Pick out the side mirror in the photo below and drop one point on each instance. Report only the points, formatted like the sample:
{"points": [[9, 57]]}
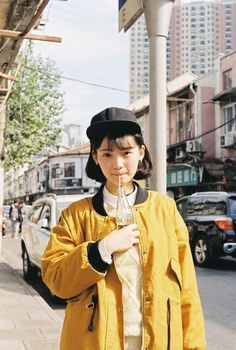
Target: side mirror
{"points": [[43, 223]]}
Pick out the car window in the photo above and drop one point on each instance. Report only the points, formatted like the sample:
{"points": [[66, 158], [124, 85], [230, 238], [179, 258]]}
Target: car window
{"points": [[181, 205], [214, 207], [195, 206], [60, 207], [6, 209], [46, 214], [34, 214], [232, 205]]}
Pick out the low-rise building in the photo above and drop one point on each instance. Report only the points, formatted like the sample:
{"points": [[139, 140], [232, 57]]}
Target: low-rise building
{"points": [[201, 129], [59, 173]]}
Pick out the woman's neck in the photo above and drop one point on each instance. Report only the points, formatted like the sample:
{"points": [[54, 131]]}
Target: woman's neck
{"points": [[129, 188]]}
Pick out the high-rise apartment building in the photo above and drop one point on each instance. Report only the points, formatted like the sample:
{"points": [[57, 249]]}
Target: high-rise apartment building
{"points": [[199, 31], [139, 59]]}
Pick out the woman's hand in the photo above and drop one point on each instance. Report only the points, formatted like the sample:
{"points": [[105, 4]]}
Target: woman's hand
{"points": [[122, 239]]}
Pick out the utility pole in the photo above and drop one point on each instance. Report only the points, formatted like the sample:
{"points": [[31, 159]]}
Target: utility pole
{"points": [[158, 16]]}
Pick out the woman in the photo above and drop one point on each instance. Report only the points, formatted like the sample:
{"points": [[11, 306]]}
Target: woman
{"points": [[131, 288]]}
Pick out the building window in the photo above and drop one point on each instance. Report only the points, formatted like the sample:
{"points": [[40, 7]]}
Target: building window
{"points": [[55, 170], [229, 114], [184, 114], [69, 169], [227, 79]]}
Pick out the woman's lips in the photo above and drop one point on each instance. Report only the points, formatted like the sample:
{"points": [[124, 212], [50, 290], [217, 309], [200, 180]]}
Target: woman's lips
{"points": [[118, 174]]}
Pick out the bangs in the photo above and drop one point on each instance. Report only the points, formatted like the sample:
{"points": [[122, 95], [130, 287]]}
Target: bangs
{"points": [[122, 142], [117, 137]]}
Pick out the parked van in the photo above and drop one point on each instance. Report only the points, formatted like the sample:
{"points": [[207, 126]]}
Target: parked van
{"points": [[211, 221]]}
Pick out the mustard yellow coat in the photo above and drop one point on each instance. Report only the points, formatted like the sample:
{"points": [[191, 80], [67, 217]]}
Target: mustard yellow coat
{"points": [[172, 314]]}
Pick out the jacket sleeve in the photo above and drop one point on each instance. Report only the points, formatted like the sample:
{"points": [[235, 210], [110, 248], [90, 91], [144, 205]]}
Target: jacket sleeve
{"points": [[192, 316], [70, 264]]}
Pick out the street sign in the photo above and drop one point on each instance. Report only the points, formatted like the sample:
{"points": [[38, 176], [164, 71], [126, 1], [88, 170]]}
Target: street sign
{"points": [[129, 12], [181, 176]]}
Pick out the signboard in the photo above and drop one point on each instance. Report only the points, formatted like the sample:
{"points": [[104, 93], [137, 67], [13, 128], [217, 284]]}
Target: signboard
{"points": [[181, 176], [129, 12]]}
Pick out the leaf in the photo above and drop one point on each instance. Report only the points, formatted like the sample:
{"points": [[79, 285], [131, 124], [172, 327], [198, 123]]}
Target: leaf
{"points": [[34, 110]]}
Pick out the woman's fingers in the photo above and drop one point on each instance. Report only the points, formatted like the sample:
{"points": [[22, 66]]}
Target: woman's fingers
{"points": [[135, 240]]}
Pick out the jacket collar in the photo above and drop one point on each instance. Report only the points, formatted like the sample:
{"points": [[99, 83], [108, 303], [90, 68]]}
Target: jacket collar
{"points": [[98, 204]]}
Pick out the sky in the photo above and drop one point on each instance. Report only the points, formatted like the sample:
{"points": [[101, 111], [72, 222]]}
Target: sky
{"points": [[92, 50]]}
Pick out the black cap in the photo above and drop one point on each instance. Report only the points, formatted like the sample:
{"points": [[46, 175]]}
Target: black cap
{"points": [[113, 117]]}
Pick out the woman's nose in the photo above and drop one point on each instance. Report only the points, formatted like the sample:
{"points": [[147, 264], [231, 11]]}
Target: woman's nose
{"points": [[118, 162]]}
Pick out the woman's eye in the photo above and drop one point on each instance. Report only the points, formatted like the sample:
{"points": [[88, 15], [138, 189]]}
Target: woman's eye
{"points": [[127, 153], [106, 155]]}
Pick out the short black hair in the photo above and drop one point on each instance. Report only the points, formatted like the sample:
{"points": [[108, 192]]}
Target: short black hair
{"points": [[94, 171]]}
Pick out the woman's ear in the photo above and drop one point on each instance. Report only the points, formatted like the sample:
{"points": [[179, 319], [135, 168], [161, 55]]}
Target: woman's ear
{"points": [[142, 152]]}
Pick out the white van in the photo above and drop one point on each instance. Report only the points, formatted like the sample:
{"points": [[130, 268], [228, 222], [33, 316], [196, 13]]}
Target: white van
{"points": [[44, 215]]}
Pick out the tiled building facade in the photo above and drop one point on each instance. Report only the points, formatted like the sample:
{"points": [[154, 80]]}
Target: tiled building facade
{"points": [[199, 31]]}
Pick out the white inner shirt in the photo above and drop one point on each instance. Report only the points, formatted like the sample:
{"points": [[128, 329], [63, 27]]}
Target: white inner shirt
{"points": [[128, 268]]}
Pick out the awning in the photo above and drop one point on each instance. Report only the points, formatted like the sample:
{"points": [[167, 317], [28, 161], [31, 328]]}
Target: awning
{"points": [[225, 94]]}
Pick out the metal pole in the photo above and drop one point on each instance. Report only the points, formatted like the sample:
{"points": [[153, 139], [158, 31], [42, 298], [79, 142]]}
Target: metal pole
{"points": [[158, 15]]}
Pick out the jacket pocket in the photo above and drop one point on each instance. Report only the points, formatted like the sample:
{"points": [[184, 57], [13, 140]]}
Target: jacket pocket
{"points": [[83, 307], [175, 267]]}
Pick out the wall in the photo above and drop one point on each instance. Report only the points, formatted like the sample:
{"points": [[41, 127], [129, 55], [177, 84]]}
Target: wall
{"points": [[208, 121], [228, 62]]}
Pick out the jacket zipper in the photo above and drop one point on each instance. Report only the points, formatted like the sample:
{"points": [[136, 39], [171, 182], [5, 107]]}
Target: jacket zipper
{"points": [[168, 324], [94, 305]]}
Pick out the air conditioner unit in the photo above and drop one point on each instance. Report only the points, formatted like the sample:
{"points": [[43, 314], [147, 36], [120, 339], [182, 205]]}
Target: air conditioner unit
{"points": [[193, 146], [179, 153], [228, 139]]}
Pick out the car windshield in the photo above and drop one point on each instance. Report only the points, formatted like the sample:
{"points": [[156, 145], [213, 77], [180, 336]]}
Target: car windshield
{"points": [[232, 205], [214, 207], [61, 206]]}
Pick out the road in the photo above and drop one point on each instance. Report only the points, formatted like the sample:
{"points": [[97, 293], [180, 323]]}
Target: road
{"points": [[217, 287]]}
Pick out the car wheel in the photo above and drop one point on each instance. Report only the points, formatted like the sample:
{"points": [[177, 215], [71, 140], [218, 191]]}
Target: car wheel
{"points": [[53, 297], [201, 253], [29, 271]]}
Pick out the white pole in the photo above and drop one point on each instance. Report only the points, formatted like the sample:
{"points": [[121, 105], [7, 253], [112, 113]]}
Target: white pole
{"points": [[1, 203], [158, 15]]}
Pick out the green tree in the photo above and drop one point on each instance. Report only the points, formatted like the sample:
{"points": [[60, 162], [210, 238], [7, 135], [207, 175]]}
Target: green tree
{"points": [[34, 109]]}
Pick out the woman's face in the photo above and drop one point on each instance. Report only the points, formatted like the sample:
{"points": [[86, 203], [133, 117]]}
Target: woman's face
{"points": [[119, 162]]}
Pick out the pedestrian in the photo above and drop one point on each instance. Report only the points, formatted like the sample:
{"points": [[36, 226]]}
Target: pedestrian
{"points": [[14, 215], [127, 288], [21, 213]]}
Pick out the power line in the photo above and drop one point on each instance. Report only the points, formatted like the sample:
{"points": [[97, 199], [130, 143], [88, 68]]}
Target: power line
{"points": [[94, 84], [203, 134], [84, 82], [212, 130]]}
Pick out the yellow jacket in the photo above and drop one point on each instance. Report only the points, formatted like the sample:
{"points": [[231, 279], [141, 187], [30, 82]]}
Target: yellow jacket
{"points": [[72, 268]]}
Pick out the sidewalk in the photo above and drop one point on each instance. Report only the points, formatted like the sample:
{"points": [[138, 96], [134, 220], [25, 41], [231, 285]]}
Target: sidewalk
{"points": [[26, 320]]}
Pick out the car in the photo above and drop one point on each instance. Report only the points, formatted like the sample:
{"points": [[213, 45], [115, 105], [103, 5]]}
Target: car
{"points": [[211, 221], [43, 215]]}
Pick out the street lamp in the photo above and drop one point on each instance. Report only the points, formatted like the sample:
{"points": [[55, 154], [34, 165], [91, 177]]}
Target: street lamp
{"points": [[158, 16]]}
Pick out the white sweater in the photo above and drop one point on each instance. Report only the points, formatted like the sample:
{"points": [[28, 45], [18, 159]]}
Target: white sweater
{"points": [[129, 271]]}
